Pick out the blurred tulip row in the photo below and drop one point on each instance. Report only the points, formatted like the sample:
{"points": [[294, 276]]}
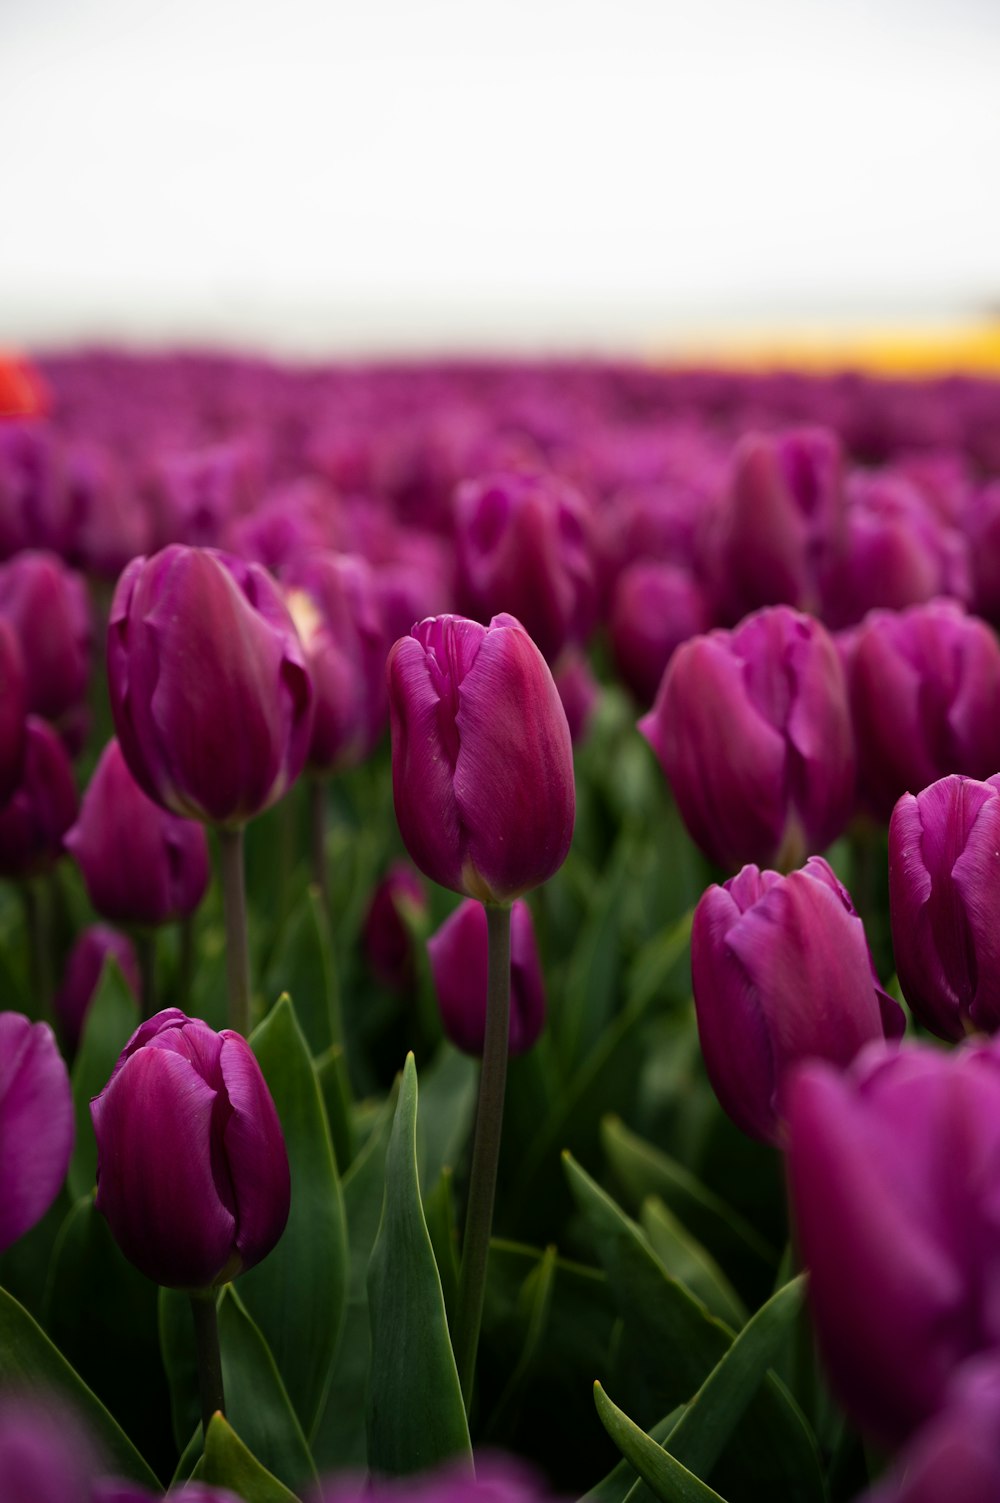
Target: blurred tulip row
{"points": [[500, 934]]}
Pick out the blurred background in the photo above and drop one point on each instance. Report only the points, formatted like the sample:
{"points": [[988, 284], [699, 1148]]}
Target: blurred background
{"points": [[388, 176]]}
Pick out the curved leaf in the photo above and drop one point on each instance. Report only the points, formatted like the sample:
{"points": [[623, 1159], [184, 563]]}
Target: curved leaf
{"points": [[416, 1417], [257, 1404], [667, 1479], [228, 1463]]}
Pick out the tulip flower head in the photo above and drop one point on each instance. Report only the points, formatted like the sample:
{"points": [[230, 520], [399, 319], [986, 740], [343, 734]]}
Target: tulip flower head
{"points": [[893, 1173], [36, 1124], [482, 763], [753, 732], [782, 972], [192, 1171], [458, 954], [82, 976], [34, 821], [388, 938], [956, 1455], [211, 697]]}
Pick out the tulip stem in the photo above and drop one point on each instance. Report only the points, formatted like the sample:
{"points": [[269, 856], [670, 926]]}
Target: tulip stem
{"points": [[317, 837], [145, 949], [206, 1337], [485, 1150], [234, 902]]}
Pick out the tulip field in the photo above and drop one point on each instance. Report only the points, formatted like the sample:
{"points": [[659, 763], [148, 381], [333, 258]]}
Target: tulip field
{"points": [[500, 933]]}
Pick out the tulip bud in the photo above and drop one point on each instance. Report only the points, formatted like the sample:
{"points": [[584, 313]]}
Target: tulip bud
{"points": [[192, 1173], [893, 1187], [956, 1455], [13, 711], [924, 688], [782, 972], [35, 819], [36, 1124], [482, 763], [333, 601], [458, 955], [654, 609], [83, 972], [141, 864], [944, 899], [387, 938], [211, 697], [579, 691], [522, 544], [49, 608], [752, 730]]}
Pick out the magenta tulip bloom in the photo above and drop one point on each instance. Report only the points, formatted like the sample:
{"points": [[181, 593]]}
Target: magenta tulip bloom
{"points": [[35, 819], [654, 609], [753, 732], [192, 1171], [36, 1124], [956, 1455], [83, 972], [387, 938], [924, 688], [49, 608], [189, 1492], [44, 1456], [141, 864], [458, 955], [211, 697], [523, 545], [944, 898], [482, 764], [782, 972], [893, 1176], [497, 1479], [579, 691], [13, 711], [333, 600]]}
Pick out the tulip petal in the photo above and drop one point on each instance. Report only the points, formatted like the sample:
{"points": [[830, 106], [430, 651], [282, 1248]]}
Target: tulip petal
{"points": [[426, 808], [36, 1124], [255, 1152], [153, 1124]]}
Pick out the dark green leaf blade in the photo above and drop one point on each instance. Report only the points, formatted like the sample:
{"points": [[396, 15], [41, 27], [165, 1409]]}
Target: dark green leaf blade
{"points": [[666, 1477]]}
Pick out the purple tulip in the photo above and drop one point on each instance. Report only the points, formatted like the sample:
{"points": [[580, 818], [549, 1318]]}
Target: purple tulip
{"points": [[924, 687], [44, 1455], [894, 551], [334, 603], [36, 1124], [13, 711], [111, 1491], [211, 697], [523, 546], [654, 609], [482, 763], [459, 967], [387, 938], [141, 864], [775, 520], [982, 527], [753, 732], [782, 972], [49, 608], [192, 1171], [578, 689], [944, 898], [35, 819], [83, 972], [893, 1174], [956, 1455]]}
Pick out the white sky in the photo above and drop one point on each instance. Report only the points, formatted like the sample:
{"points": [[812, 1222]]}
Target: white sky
{"points": [[439, 172]]}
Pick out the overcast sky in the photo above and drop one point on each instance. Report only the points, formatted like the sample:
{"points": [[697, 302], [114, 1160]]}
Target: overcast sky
{"points": [[442, 172]]}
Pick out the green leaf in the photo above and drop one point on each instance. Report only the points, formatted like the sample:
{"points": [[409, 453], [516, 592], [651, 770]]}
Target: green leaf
{"points": [[620, 1485], [228, 1463], [335, 1089], [112, 1018], [711, 1417], [686, 1260], [30, 1363], [533, 1306], [667, 1479], [180, 1363], [416, 1417], [643, 1170], [442, 1225], [447, 1103], [257, 1403], [593, 976], [298, 1293], [339, 1439], [303, 967]]}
